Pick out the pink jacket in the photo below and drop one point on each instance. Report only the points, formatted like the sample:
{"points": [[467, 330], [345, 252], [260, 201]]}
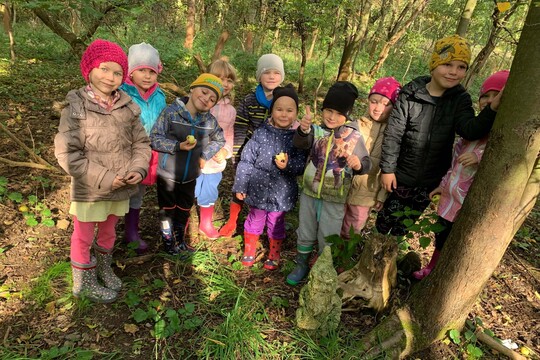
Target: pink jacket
{"points": [[457, 181], [225, 114]]}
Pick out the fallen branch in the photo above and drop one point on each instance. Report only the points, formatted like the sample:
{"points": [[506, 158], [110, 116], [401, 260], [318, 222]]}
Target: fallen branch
{"points": [[26, 148], [138, 259], [29, 165], [495, 345]]}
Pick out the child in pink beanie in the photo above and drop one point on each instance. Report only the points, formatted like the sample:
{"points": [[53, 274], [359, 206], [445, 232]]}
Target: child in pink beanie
{"points": [[459, 178], [102, 145], [366, 192]]}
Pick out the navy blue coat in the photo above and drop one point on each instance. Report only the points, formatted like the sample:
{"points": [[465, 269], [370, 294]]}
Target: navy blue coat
{"points": [[267, 187]]}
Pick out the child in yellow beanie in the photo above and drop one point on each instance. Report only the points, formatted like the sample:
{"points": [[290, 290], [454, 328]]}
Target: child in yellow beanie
{"points": [[417, 144], [186, 135]]}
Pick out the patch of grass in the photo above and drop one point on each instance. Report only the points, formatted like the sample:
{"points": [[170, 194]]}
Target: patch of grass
{"points": [[50, 283], [57, 353]]}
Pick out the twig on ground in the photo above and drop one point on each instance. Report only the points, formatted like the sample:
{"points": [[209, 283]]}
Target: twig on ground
{"points": [[495, 345]]}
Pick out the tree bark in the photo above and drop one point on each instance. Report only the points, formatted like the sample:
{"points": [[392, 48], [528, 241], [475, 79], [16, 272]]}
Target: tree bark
{"points": [[190, 24], [498, 202], [4, 8], [220, 45], [466, 16], [314, 38], [303, 36], [405, 19], [499, 20]]}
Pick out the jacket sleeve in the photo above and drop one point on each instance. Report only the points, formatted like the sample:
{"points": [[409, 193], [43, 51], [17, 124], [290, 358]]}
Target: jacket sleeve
{"points": [[303, 141], [468, 126], [228, 132], [69, 145], [297, 162], [246, 166], [241, 124], [158, 135], [393, 136], [140, 148], [217, 141], [361, 151]]}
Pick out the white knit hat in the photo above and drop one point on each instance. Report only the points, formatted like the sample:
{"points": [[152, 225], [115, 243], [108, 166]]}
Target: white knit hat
{"points": [[143, 56], [270, 62]]}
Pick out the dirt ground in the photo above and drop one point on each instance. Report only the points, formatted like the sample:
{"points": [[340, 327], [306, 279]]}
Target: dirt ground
{"points": [[509, 305]]}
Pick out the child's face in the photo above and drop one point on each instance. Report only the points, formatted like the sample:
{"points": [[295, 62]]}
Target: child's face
{"points": [[270, 79], [106, 78], [379, 108], [446, 76], [144, 79], [487, 98], [203, 99], [284, 112], [228, 84], [333, 118]]}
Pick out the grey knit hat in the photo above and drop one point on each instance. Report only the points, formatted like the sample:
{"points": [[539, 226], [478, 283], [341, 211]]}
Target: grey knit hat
{"points": [[143, 56], [270, 62]]}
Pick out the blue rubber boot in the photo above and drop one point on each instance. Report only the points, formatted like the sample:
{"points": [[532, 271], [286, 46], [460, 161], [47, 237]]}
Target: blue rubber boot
{"points": [[302, 267]]}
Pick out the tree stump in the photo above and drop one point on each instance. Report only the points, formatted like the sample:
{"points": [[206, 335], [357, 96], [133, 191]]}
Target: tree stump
{"points": [[375, 274]]}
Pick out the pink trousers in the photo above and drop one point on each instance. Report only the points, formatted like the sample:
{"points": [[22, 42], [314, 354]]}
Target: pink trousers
{"points": [[355, 216], [83, 237]]}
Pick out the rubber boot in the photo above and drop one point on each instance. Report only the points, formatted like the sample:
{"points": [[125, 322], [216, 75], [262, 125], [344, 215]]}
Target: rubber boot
{"points": [[206, 227], [104, 270], [274, 255], [302, 266], [229, 228], [132, 231], [85, 283], [250, 249], [179, 231], [420, 274], [169, 242]]}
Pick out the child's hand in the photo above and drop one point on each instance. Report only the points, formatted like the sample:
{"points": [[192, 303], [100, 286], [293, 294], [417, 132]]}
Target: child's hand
{"points": [[378, 206], [132, 178], [220, 156], [118, 182], [388, 182], [436, 191], [281, 160], [468, 159], [186, 145], [354, 162], [241, 196], [496, 101], [305, 123], [202, 163]]}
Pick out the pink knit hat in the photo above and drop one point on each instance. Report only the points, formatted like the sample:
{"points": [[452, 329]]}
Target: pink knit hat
{"points": [[388, 87], [495, 82], [100, 51]]}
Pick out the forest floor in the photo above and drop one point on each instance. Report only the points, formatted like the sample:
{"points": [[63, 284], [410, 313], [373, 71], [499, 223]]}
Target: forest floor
{"points": [[211, 306]]}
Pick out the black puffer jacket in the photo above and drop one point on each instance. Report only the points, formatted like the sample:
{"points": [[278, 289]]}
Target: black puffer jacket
{"points": [[418, 140]]}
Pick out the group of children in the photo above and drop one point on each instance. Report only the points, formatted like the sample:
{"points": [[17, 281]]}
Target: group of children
{"points": [[114, 145]]}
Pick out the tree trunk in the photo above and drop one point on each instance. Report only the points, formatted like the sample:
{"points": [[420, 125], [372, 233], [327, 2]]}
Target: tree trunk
{"points": [[4, 8], [466, 16], [190, 24], [502, 195], [353, 41], [398, 31], [303, 37], [220, 45], [314, 38], [477, 65]]}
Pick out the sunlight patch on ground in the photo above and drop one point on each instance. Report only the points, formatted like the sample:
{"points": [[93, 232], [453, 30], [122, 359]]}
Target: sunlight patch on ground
{"points": [[4, 67]]}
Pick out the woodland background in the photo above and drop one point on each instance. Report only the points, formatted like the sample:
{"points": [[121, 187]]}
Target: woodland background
{"points": [[210, 307]]}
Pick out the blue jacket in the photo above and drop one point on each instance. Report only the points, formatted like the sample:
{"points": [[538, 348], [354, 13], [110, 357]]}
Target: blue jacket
{"points": [[171, 128], [267, 187], [150, 108]]}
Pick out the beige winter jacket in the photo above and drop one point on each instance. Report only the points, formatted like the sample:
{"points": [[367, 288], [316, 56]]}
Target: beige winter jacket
{"points": [[366, 189], [94, 145]]}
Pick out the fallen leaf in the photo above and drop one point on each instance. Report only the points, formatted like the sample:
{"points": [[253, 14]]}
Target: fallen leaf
{"points": [[503, 6], [91, 326], [120, 265], [50, 307], [62, 224], [131, 328], [8, 222]]}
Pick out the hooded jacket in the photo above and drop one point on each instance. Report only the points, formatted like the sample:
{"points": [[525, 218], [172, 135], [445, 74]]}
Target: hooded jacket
{"points": [[418, 140], [150, 107], [94, 145]]}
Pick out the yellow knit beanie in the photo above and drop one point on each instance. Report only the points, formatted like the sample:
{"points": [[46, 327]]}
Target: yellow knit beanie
{"points": [[209, 81], [449, 49]]}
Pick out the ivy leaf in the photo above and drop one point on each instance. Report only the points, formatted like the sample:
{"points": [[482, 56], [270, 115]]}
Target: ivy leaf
{"points": [[455, 336], [140, 315]]}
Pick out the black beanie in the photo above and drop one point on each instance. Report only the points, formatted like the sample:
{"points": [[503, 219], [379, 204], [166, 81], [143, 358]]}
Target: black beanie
{"points": [[287, 90], [341, 97]]}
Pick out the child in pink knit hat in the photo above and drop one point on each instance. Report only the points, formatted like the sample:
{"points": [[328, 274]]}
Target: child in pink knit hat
{"points": [[457, 181], [102, 145], [366, 192]]}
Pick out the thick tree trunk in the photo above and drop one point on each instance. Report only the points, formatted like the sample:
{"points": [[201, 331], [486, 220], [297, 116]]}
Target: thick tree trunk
{"points": [[398, 31], [466, 16], [498, 202], [190, 24], [353, 41], [4, 8], [499, 21]]}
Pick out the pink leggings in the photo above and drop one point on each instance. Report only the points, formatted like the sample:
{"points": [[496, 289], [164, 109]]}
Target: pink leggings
{"points": [[83, 237], [355, 216]]}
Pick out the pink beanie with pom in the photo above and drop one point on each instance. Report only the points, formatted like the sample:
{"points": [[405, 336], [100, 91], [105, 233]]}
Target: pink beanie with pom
{"points": [[388, 87], [100, 51]]}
